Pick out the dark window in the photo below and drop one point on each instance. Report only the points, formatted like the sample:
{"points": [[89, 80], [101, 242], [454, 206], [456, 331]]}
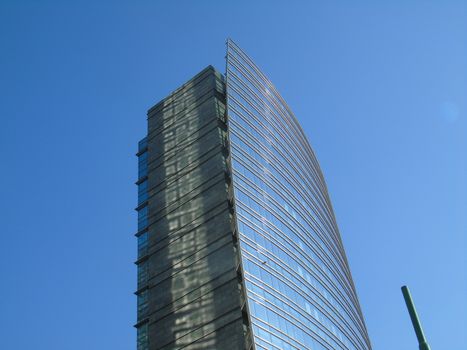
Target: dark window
{"points": [[142, 218], [142, 244]]}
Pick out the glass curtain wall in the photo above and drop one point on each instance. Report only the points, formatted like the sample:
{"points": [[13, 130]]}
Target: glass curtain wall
{"points": [[142, 235], [299, 288]]}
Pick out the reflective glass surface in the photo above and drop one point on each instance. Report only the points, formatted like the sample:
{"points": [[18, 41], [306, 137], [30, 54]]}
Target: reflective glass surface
{"points": [[143, 144], [143, 274], [142, 337], [143, 165], [142, 192], [143, 244], [142, 297], [142, 303], [142, 218], [299, 288]]}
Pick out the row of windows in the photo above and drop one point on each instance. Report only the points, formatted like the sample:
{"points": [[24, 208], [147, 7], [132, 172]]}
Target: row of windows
{"points": [[142, 218], [142, 197], [289, 206], [280, 154], [302, 293], [275, 121], [143, 192], [290, 296], [143, 165], [142, 244], [287, 211], [265, 122], [290, 236], [269, 99], [143, 267], [293, 323], [263, 118], [142, 337], [142, 303], [276, 209], [270, 336], [273, 214], [239, 146], [143, 274], [298, 200], [273, 269], [143, 144], [268, 126]]}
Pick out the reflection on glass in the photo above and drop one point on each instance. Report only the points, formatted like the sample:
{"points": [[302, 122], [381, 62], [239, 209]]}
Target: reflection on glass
{"points": [[300, 292], [142, 244], [142, 218], [143, 165], [142, 192], [142, 337]]}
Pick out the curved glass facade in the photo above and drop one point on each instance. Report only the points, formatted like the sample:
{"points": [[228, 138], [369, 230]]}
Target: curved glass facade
{"points": [[298, 283]]}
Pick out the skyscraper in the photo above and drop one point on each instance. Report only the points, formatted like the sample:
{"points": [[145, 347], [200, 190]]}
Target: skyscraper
{"points": [[238, 246]]}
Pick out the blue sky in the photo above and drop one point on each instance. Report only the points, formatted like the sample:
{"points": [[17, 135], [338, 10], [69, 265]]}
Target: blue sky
{"points": [[379, 86]]}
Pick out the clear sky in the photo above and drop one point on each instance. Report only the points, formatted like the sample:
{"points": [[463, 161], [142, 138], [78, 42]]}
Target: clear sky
{"points": [[380, 88]]}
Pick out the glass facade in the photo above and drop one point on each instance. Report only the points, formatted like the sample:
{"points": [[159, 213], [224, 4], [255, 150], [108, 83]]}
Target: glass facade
{"points": [[189, 293], [299, 288], [237, 243], [142, 236], [142, 337]]}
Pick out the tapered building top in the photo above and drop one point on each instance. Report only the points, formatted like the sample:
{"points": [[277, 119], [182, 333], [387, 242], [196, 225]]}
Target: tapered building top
{"points": [[238, 246]]}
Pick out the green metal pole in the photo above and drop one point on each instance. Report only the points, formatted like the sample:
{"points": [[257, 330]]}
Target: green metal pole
{"points": [[422, 343]]}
